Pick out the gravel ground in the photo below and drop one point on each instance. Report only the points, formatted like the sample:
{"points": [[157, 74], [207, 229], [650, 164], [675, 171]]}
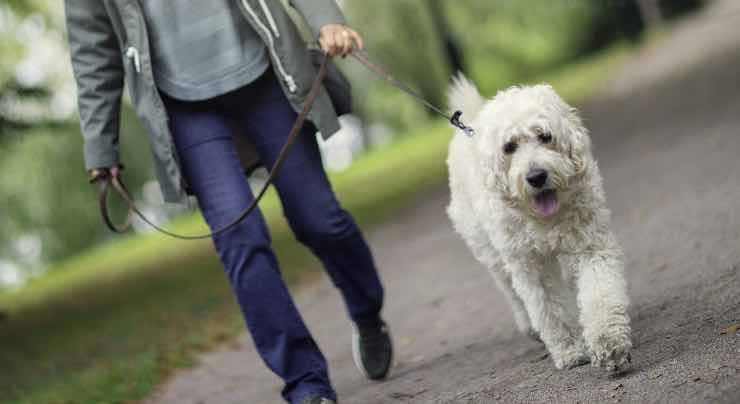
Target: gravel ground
{"points": [[666, 131]]}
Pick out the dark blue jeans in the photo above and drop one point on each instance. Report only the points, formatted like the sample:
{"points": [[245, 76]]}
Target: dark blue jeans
{"points": [[202, 132]]}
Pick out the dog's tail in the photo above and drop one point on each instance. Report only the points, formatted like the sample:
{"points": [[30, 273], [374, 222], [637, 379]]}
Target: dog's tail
{"points": [[463, 96]]}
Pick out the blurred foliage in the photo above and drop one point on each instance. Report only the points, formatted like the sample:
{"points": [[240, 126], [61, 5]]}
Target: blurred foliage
{"points": [[45, 194], [48, 207], [34, 88], [501, 42]]}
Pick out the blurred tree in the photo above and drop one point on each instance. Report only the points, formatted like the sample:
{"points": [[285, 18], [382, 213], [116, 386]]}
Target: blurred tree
{"points": [[34, 87], [613, 21], [451, 46], [629, 19], [676, 8], [650, 12], [401, 36]]}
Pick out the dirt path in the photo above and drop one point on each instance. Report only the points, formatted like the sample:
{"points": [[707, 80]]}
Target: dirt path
{"points": [[667, 134]]}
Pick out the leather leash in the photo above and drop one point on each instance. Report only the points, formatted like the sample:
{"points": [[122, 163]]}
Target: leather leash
{"points": [[115, 181], [108, 179]]}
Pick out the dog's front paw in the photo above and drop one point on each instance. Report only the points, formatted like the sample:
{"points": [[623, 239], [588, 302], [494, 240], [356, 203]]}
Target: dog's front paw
{"points": [[575, 355], [612, 353]]}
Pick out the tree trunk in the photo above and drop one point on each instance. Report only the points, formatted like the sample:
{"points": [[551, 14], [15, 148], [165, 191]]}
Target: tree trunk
{"points": [[452, 48], [650, 12]]}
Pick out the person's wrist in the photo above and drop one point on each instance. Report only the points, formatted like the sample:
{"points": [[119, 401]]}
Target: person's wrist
{"points": [[96, 174]]}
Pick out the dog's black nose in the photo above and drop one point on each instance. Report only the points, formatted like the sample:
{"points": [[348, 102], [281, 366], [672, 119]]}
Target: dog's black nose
{"points": [[537, 177]]}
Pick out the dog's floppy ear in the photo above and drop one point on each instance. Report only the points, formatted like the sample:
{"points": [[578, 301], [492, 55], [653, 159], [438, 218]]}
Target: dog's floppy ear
{"points": [[579, 149], [463, 96]]}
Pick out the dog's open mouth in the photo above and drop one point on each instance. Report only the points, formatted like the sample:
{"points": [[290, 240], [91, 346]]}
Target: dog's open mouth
{"points": [[546, 203]]}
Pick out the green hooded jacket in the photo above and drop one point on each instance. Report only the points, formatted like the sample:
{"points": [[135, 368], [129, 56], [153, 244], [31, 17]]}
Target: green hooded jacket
{"points": [[109, 46]]}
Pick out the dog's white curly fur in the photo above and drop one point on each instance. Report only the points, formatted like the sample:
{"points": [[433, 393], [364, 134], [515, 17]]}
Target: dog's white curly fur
{"points": [[562, 269]]}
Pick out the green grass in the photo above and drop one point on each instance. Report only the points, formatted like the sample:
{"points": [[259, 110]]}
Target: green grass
{"points": [[109, 325]]}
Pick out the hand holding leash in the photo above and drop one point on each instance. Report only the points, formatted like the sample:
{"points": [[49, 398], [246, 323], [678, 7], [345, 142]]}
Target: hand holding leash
{"points": [[107, 177], [339, 40]]}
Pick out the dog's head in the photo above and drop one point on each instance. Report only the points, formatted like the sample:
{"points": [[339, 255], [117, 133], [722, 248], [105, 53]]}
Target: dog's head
{"points": [[531, 145]]}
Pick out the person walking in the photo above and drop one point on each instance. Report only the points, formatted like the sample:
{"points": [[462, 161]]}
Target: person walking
{"points": [[193, 70]]}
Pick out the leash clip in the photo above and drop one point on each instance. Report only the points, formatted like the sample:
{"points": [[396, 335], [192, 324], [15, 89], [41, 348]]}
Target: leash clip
{"points": [[455, 121]]}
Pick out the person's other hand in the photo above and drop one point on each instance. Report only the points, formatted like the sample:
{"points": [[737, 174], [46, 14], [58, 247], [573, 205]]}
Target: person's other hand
{"points": [[102, 172], [339, 40]]}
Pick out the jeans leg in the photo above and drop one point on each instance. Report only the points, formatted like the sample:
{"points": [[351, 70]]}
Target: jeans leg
{"points": [[211, 167], [309, 203]]}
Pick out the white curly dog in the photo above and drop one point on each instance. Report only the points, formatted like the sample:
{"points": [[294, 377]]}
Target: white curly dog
{"points": [[527, 198]]}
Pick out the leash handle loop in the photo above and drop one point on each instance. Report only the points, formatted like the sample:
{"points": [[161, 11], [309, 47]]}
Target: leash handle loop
{"points": [[106, 180]]}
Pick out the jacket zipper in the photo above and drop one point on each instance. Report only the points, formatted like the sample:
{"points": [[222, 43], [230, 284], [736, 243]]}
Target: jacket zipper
{"points": [[289, 80], [270, 20]]}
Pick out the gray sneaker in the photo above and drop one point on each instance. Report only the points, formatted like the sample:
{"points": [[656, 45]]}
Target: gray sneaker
{"points": [[372, 350], [317, 400]]}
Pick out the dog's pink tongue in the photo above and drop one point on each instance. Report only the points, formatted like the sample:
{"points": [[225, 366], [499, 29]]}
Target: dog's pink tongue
{"points": [[546, 203]]}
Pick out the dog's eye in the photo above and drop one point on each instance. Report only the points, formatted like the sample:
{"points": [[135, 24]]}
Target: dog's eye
{"points": [[510, 147], [545, 137]]}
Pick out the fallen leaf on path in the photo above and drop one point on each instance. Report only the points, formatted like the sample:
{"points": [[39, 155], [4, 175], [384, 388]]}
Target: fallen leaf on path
{"points": [[401, 396], [731, 329], [407, 341], [661, 267]]}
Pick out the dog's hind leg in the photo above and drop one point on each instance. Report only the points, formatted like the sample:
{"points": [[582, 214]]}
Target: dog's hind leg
{"points": [[541, 291]]}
